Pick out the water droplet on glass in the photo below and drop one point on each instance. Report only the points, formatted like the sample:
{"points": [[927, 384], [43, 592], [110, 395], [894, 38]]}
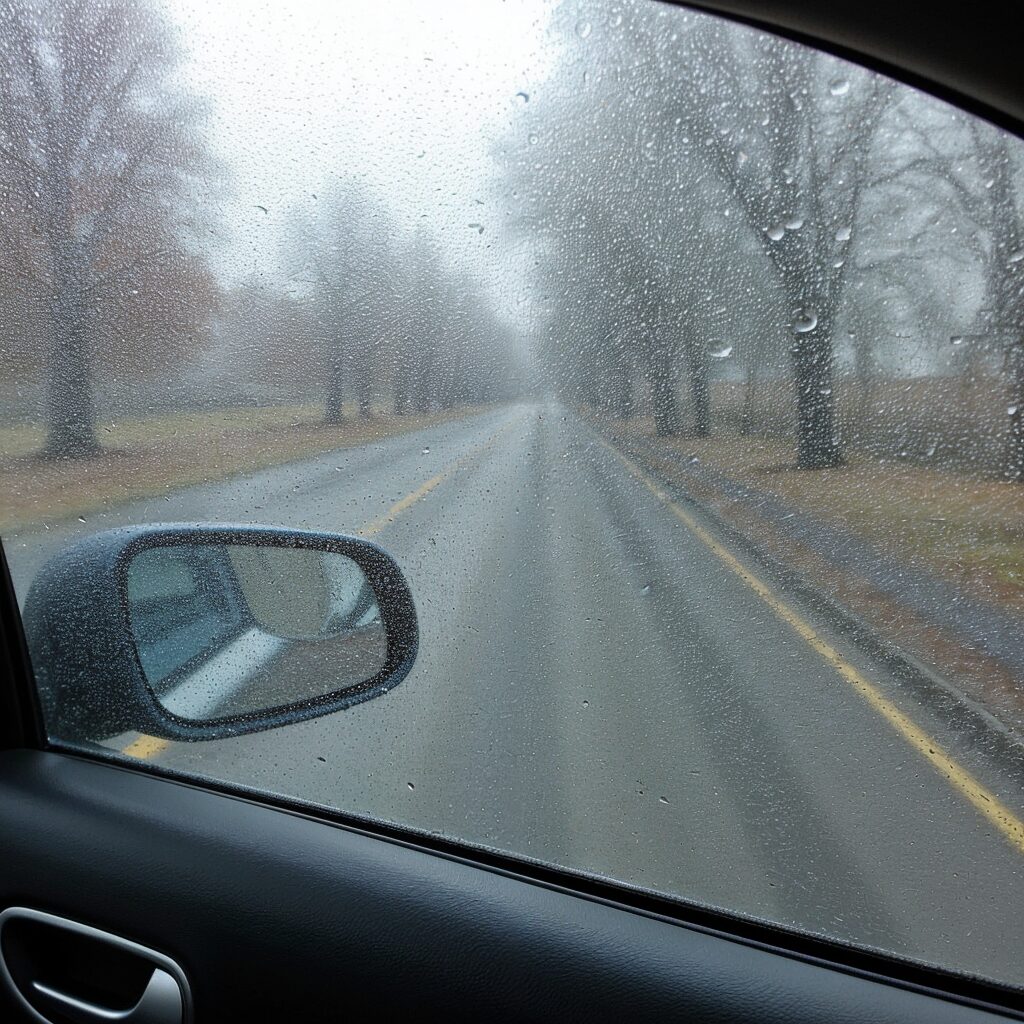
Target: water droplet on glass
{"points": [[523, 97], [794, 223], [583, 29], [1016, 257], [533, 140], [722, 353], [776, 232], [957, 339], [426, 451], [839, 87], [410, 785], [843, 234], [1011, 410], [805, 321]]}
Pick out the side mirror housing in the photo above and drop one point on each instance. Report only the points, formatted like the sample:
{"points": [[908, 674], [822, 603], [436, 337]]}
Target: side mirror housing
{"points": [[200, 632]]}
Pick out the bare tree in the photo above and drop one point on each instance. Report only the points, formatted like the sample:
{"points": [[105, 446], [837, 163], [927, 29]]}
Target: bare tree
{"points": [[791, 141], [101, 159], [345, 262], [1004, 273], [963, 177]]}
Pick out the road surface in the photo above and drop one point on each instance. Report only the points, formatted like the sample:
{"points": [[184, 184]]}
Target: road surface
{"points": [[599, 687]]}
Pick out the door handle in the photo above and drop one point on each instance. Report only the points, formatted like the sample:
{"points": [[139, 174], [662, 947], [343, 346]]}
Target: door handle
{"points": [[71, 972], [160, 1004]]}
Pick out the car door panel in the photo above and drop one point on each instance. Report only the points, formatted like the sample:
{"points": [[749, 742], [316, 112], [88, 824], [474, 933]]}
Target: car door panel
{"points": [[278, 916]]}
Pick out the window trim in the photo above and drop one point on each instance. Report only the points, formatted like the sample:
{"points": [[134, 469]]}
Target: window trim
{"points": [[799, 24], [768, 936], [21, 717]]}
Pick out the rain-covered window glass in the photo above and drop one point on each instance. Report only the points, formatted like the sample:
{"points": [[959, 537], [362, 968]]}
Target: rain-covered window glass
{"points": [[679, 367]]}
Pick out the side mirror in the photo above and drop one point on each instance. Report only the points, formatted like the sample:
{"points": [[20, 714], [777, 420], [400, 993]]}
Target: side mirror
{"points": [[195, 632]]}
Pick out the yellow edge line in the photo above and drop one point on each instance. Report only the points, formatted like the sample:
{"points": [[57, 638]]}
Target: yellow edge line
{"points": [[145, 746], [149, 746], [958, 777]]}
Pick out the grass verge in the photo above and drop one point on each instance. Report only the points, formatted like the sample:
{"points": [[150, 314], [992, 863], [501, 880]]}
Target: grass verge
{"points": [[150, 456], [968, 530]]}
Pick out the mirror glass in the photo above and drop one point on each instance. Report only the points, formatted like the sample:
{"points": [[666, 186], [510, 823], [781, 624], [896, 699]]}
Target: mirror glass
{"points": [[229, 629]]}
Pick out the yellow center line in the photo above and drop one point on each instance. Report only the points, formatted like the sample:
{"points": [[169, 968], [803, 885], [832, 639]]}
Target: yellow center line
{"points": [[374, 527], [955, 774], [145, 747]]}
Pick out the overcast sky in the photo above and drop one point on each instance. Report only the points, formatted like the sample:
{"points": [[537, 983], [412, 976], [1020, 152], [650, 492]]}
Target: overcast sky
{"points": [[407, 95]]}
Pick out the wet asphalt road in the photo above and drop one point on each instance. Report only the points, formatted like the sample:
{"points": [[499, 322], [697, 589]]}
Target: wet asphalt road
{"points": [[596, 689]]}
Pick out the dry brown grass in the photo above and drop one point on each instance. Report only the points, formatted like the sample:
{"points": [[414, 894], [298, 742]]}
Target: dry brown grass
{"points": [[964, 528], [942, 422], [148, 457]]}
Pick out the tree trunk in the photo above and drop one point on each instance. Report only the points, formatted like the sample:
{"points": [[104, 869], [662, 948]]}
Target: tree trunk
{"points": [[863, 371], [1015, 453], [365, 386], [662, 374], [423, 398], [333, 413], [667, 421], [622, 393], [70, 413], [423, 378], [700, 392], [817, 444], [749, 393]]}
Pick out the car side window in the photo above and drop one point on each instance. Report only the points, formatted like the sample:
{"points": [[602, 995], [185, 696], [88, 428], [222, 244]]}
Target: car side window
{"points": [[643, 392]]}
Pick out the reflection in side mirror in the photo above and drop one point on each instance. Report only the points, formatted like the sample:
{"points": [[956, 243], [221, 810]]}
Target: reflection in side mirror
{"points": [[229, 629], [203, 632]]}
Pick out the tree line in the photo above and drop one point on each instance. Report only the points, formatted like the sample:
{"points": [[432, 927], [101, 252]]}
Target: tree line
{"points": [[113, 204], [706, 197], [107, 188], [703, 204]]}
